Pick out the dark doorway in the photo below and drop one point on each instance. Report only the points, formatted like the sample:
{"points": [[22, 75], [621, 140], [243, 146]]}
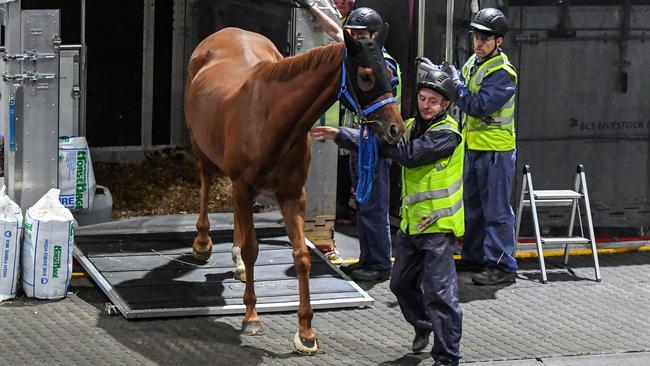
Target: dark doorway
{"points": [[114, 73]]}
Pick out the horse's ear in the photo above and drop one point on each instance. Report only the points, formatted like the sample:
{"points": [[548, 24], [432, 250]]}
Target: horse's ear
{"points": [[382, 34], [351, 44]]}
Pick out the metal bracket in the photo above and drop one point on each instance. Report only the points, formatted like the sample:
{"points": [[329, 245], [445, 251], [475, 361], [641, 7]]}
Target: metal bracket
{"points": [[299, 40], [57, 42], [111, 309], [76, 92], [28, 56], [28, 75]]}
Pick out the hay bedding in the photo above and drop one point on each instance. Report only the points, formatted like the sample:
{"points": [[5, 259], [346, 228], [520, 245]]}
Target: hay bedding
{"points": [[166, 182]]}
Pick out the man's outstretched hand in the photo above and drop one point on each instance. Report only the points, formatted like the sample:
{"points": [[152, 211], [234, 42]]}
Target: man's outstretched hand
{"points": [[324, 133]]}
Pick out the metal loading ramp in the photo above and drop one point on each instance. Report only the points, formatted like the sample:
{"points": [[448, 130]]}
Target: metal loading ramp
{"points": [[155, 275]]}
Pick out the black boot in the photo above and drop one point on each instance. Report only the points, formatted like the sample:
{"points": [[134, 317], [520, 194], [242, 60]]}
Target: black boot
{"points": [[494, 275], [442, 362], [370, 274], [421, 340], [347, 269]]}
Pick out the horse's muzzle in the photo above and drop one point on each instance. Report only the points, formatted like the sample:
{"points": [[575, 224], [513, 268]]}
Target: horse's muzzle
{"points": [[393, 133], [389, 133]]}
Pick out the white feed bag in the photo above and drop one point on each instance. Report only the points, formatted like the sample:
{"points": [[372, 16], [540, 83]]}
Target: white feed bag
{"points": [[11, 220], [47, 248], [76, 176]]}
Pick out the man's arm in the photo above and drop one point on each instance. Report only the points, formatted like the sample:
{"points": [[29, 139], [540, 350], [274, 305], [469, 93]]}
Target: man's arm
{"points": [[331, 27], [348, 138], [427, 149], [495, 92]]}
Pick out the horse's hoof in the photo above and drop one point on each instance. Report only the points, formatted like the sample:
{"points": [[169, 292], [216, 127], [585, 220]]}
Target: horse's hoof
{"points": [[252, 327], [202, 255], [240, 274], [304, 346]]}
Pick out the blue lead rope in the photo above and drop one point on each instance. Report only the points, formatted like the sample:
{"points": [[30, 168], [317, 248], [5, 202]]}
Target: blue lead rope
{"points": [[368, 157]]}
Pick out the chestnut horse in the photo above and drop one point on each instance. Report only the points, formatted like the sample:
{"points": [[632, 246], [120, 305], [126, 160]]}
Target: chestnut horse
{"points": [[249, 111]]}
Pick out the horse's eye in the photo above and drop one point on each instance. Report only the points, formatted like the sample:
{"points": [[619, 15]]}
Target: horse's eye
{"points": [[365, 79]]}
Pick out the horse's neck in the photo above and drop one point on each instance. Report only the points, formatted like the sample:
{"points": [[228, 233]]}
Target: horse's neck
{"points": [[315, 89]]}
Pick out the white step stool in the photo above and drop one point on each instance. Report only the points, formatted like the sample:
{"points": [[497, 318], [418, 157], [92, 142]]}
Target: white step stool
{"points": [[558, 198]]}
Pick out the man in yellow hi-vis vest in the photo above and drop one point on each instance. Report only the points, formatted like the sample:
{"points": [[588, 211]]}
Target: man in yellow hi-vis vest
{"points": [[424, 275], [486, 94]]}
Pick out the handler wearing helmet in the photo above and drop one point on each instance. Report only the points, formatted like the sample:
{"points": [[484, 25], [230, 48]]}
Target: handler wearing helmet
{"points": [[486, 94], [423, 279]]}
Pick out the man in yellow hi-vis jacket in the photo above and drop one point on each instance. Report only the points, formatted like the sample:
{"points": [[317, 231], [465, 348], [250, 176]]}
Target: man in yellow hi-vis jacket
{"points": [[424, 275]]}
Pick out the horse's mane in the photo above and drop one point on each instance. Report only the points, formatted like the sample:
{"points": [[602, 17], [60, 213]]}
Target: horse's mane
{"points": [[289, 67]]}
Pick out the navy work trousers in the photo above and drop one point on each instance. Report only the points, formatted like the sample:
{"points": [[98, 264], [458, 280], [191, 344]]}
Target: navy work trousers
{"points": [[425, 284], [489, 219], [372, 217]]}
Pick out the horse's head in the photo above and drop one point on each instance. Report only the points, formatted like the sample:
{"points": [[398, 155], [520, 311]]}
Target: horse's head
{"points": [[370, 79]]}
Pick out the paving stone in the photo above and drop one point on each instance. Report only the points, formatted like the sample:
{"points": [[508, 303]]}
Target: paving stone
{"points": [[569, 316]]}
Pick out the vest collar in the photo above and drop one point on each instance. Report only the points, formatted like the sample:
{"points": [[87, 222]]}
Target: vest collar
{"points": [[478, 62], [423, 126]]}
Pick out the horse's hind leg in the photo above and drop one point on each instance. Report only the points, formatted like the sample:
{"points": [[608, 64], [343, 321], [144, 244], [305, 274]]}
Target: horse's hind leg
{"points": [[202, 246], [244, 237], [293, 211]]}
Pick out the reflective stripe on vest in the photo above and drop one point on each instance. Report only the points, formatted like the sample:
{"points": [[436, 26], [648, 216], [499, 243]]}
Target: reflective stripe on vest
{"points": [[437, 214], [495, 132], [438, 193], [432, 194]]}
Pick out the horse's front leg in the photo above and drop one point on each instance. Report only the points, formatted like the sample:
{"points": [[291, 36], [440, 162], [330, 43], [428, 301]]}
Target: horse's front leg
{"points": [[244, 238], [202, 246], [293, 211]]}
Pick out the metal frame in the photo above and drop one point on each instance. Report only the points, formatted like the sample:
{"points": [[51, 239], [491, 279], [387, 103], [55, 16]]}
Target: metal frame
{"points": [[148, 35], [31, 88], [363, 300], [421, 18], [177, 133], [70, 90], [449, 33], [83, 55], [12, 46]]}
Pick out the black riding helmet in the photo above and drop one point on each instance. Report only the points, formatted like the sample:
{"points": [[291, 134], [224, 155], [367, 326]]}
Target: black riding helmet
{"points": [[490, 21], [440, 82], [364, 18]]}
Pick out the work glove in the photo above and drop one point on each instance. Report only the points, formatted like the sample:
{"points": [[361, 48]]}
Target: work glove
{"points": [[303, 3], [451, 70], [426, 64]]}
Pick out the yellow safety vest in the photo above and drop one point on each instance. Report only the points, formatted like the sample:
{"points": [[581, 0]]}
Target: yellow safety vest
{"points": [[432, 194], [495, 132]]}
